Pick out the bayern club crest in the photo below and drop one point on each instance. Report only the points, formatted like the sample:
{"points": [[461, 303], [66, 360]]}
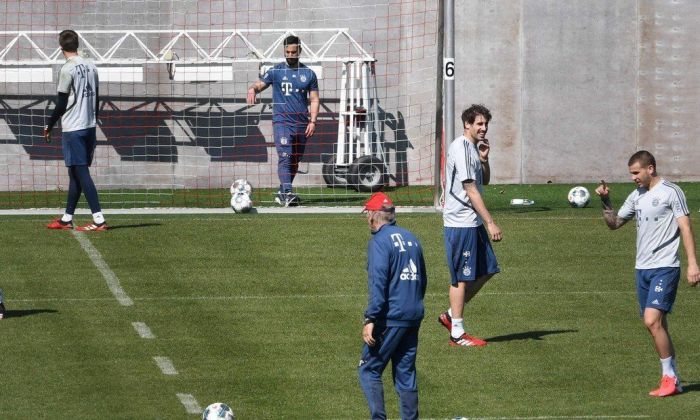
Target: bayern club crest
{"points": [[302, 78]]}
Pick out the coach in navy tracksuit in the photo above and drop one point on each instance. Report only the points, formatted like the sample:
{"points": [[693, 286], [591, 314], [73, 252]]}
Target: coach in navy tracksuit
{"points": [[397, 281]]}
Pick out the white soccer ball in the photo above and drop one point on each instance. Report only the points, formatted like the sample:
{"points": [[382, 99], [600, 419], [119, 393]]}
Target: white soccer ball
{"points": [[241, 185], [579, 196], [241, 202], [218, 411]]}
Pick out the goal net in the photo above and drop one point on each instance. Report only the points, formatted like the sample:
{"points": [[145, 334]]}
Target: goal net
{"points": [[174, 128]]}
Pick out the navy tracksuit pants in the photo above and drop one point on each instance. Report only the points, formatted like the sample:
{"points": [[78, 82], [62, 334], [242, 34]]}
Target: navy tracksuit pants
{"points": [[398, 345]]}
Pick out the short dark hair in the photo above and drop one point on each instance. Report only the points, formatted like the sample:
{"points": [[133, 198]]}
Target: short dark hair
{"points": [[292, 40], [68, 40], [644, 158], [469, 114]]}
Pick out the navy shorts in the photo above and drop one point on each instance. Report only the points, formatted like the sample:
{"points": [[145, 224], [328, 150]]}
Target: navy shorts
{"points": [[290, 140], [79, 146], [657, 287], [469, 253]]}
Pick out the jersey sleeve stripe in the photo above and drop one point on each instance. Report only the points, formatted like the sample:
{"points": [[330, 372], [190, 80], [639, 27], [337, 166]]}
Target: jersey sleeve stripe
{"points": [[468, 157]]}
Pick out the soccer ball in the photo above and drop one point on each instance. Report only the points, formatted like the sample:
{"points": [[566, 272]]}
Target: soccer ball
{"points": [[241, 202], [579, 197], [218, 411], [241, 185]]}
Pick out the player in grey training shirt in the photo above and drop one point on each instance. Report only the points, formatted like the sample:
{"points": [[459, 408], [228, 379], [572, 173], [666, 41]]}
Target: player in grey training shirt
{"points": [[663, 220], [470, 256], [76, 106]]}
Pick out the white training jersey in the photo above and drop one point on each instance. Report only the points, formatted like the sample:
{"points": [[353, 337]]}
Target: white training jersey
{"points": [[462, 164], [658, 234], [78, 78]]}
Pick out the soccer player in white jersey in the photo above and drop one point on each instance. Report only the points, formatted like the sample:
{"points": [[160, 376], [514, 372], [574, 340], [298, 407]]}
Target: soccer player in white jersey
{"points": [[76, 106], [470, 257], [662, 221]]}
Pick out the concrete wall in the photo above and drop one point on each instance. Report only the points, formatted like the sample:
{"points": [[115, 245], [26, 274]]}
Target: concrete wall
{"points": [[575, 87]]}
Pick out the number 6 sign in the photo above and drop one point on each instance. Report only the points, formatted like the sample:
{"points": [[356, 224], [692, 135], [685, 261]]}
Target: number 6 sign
{"points": [[448, 69]]}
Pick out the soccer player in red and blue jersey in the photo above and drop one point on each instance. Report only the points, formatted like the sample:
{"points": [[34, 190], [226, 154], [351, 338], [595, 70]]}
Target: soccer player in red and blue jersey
{"points": [[294, 86]]}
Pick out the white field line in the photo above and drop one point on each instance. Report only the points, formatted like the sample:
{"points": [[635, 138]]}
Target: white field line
{"points": [[166, 366], [326, 296], [225, 210], [143, 330], [190, 403], [623, 416], [107, 273]]}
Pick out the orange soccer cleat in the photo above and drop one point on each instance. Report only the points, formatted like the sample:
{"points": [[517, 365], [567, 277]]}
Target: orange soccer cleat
{"points": [[58, 224], [669, 386]]}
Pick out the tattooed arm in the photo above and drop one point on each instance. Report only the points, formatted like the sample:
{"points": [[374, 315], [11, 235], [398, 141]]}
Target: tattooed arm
{"points": [[609, 215]]}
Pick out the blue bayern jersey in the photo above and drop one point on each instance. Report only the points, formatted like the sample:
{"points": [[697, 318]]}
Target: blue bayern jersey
{"points": [[290, 92], [397, 277]]}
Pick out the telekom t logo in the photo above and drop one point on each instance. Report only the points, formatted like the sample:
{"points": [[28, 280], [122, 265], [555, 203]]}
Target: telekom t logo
{"points": [[398, 241], [286, 88]]}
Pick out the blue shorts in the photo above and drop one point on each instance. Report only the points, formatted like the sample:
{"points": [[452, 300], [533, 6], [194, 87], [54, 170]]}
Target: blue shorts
{"points": [[657, 287], [469, 253], [79, 146], [290, 140]]}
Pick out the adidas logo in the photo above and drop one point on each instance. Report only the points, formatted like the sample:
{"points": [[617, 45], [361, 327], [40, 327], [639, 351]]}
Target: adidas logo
{"points": [[410, 272], [655, 302]]}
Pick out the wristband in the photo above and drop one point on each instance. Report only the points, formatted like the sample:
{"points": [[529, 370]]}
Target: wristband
{"points": [[368, 321]]}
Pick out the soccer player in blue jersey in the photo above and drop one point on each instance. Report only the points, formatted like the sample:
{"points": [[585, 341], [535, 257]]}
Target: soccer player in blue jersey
{"points": [[294, 86], [396, 283], [470, 257], [76, 106], [662, 221]]}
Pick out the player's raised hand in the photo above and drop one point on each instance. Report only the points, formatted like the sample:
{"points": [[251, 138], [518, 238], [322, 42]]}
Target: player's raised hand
{"points": [[484, 149], [47, 134], [251, 96], [602, 190]]}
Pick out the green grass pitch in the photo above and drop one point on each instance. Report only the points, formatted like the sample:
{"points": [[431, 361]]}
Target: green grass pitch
{"points": [[264, 312]]}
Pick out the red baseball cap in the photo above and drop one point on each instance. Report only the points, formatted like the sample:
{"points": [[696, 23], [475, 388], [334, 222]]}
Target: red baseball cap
{"points": [[378, 201]]}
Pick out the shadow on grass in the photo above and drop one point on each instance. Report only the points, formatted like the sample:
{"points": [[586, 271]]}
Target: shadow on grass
{"points": [[138, 225], [529, 335], [688, 387], [27, 312]]}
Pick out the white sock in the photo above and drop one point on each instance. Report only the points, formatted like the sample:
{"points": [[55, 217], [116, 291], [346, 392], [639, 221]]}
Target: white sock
{"points": [[457, 327], [449, 312], [67, 218], [667, 367], [675, 368], [98, 218]]}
